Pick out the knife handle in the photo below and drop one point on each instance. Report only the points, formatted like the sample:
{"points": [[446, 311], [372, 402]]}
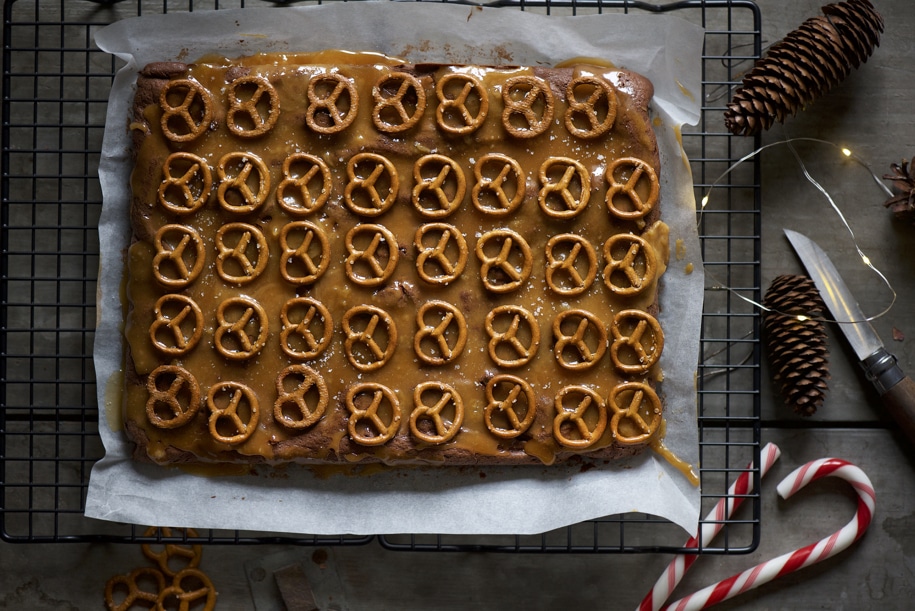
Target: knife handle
{"points": [[897, 390]]}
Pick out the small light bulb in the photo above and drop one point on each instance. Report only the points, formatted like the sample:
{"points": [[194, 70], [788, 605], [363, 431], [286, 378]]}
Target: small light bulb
{"points": [[866, 260], [704, 201], [802, 318], [846, 152]]}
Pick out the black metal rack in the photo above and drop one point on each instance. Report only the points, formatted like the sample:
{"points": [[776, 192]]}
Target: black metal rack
{"points": [[55, 92]]}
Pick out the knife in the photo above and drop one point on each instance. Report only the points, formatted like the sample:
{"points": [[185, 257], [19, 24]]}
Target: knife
{"points": [[897, 390]]}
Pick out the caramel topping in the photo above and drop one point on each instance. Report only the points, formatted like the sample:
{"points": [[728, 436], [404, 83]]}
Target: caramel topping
{"points": [[592, 106], [294, 193], [242, 330], [443, 340], [363, 349], [306, 252], [566, 197], [440, 261], [369, 405], [516, 344], [510, 406], [585, 345], [433, 186], [509, 267], [631, 264], [301, 397], [566, 253], [528, 105], [636, 412], [174, 396], [244, 182], [171, 554], [242, 252], [372, 186], [333, 103], [179, 256], [299, 316], [187, 110], [493, 193], [462, 103], [428, 422], [637, 341], [583, 424], [400, 102], [178, 326], [624, 176], [254, 106], [373, 254], [189, 190]]}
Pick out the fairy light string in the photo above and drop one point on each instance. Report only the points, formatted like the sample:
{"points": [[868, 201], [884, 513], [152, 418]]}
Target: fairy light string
{"points": [[866, 260]]}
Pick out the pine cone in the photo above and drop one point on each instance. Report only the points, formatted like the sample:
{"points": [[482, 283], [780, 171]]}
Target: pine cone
{"points": [[798, 354], [903, 203], [804, 65]]}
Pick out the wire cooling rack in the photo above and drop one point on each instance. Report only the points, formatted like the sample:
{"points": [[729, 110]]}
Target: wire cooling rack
{"points": [[55, 92]]}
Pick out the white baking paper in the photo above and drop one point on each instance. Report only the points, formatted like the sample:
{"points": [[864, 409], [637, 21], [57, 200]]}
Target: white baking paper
{"points": [[478, 500]]}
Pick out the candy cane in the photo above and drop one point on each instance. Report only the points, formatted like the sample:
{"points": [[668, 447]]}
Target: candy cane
{"points": [[805, 556], [714, 522]]}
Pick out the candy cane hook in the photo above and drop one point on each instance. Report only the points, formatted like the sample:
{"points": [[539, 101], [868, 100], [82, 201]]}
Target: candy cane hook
{"points": [[805, 556]]}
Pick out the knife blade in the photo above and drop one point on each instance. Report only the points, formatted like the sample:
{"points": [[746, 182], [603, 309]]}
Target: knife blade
{"points": [[896, 389]]}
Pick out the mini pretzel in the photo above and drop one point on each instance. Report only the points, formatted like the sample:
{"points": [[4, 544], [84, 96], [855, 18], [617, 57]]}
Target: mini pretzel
{"points": [[295, 194], [570, 426], [366, 426], [627, 188], [254, 122], [631, 264], [400, 102], [509, 338], [634, 404], [297, 339], [186, 556], [359, 325], [231, 338], [170, 267], [431, 342], [237, 420], [492, 172], [585, 346], [562, 271], [189, 191], [328, 112], [534, 107], [130, 585], [434, 188], [519, 398], [374, 263], [597, 107], [235, 193], [295, 408], [638, 336], [191, 116], [511, 267], [439, 264], [463, 112], [173, 312], [370, 174], [232, 258], [311, 255], [177, 403], [444, 430], [567, 197], [190, 588]]}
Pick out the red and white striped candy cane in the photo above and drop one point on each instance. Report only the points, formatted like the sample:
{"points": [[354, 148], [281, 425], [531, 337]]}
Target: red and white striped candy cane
{"points": [[805, 556], [712, 525]]}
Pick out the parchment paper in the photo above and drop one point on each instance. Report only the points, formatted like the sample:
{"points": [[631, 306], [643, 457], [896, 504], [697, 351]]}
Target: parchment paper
{"points": [[502, 500]]}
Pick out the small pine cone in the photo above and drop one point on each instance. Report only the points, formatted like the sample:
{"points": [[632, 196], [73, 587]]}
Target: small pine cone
{"points": [[804, 65], [798, 354], [903, 203]]}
